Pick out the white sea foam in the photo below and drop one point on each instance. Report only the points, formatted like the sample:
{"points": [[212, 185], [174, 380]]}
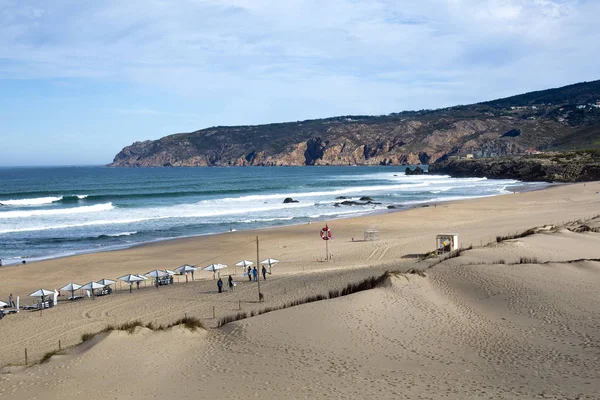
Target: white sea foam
{"points": [[61, 211], [122, 234], [30, 202]]}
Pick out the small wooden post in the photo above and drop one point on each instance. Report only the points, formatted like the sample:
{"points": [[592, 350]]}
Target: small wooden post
{"points": [[213, 312], [59, 346], [25, 355], [240, 305]]}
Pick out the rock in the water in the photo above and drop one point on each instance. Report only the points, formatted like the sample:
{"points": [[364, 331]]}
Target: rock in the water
{"points": [[341, 198], [416, 171], [290, 200], [366, 198]]}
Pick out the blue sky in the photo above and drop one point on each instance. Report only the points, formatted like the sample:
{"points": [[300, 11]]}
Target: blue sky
{"points": [[80, 80]]}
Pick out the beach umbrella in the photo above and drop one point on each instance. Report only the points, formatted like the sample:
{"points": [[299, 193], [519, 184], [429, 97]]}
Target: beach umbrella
{"points": [[244, 264], [169, 272], [71, 287], [41, 293], [214, 268], [270, 262], [3, 304], [130, 279], [184, 269], [106, 282], [92, 286], [157, 273]]}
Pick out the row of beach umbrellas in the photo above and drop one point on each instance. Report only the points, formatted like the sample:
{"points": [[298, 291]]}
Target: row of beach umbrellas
{"points": [[130, 279]]}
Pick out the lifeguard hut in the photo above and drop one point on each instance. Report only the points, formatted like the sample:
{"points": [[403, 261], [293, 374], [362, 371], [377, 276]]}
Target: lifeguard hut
{"points": [[371, 233], [446, 242]]}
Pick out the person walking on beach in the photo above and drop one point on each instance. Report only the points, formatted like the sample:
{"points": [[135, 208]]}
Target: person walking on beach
{"points": [[255, 273], [220, 285], [264, 272], [11, 301], [250, 274], [230, 282]]}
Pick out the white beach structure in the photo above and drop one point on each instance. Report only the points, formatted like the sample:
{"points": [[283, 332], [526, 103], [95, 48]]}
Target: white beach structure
{"points": [[446, 242]]}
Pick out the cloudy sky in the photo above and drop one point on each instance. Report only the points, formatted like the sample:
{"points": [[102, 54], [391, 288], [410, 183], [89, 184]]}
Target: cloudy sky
{"points": [[79, 80]]}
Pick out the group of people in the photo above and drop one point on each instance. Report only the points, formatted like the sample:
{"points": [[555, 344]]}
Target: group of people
{"points": [[252, 275]]}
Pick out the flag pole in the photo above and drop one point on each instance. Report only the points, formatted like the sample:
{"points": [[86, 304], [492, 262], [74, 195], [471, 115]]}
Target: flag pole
{"points": [[258, 264], [326, 250]]}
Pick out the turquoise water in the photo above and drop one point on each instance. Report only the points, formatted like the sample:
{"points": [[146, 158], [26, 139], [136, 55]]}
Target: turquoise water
{"points": [[59, 211]]}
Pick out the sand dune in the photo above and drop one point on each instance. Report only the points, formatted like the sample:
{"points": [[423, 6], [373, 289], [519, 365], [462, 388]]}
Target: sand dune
{"points": [[469, 329]]}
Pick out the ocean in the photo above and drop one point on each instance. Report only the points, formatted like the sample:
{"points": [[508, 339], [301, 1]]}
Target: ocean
{"points": [[59, 211]]}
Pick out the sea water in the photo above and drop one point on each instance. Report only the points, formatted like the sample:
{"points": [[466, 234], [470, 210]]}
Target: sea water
{"points": [[58, 211]]}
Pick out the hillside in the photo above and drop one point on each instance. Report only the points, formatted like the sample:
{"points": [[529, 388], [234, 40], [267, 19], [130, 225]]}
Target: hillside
{"points": [[556, 119], [571, 166]]}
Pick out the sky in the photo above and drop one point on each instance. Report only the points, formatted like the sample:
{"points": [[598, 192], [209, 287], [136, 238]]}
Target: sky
{"points": [[79, 80]]}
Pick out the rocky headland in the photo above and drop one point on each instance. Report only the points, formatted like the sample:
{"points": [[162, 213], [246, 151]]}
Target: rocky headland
{"points": [[574, 166], [554, 119]]}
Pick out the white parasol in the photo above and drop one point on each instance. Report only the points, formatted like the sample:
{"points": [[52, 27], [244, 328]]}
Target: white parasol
{"points": [[130, 279], [214, 268], [244, 264], [71, 287], [270, 262], [169, 272], [42, 293], [91, 286], [3, 304], [157, 273], [106, 282], [184, 269]]}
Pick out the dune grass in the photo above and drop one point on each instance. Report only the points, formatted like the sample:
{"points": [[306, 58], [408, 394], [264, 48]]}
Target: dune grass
{"points": [[528, 232], [46, 357], [191, 323], [369, 283]]}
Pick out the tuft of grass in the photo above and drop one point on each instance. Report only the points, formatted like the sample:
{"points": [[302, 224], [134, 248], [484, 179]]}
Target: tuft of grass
{"points": [[191, 323], [528, 260], [49, 355], [87, 336], [334, 293], [231, 318], [528, 232], [414, 271], [502, 261], [129, 327]]}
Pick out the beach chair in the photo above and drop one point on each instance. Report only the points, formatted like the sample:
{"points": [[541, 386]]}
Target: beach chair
{"points": [[32, 307]]}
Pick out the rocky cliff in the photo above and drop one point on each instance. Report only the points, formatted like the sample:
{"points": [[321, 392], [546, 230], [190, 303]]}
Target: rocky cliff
{"points": [[561, 118], [574, 166]]}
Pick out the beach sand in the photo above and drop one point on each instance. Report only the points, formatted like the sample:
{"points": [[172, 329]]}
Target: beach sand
{"points": [[476, 326]]}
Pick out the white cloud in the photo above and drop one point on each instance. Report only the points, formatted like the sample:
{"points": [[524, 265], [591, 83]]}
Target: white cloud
{"points": [[314, 56]]}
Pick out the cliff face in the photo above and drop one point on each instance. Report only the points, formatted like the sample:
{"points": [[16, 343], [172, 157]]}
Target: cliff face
{"points": [[576, 166], [420, 137]]}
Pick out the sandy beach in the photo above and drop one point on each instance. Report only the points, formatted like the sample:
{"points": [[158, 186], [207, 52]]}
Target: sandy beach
{"points": [[478, 326]]}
